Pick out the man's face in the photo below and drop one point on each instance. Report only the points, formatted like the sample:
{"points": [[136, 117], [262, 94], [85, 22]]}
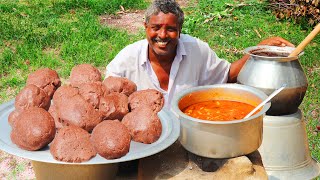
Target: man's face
{"points": [[163, 33]]}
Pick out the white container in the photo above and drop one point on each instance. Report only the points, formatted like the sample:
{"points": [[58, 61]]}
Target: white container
{"points": [[284, 149]]}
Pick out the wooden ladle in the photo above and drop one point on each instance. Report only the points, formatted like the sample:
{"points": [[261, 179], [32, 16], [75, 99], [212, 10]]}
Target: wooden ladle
{"points": [[305, 42]]}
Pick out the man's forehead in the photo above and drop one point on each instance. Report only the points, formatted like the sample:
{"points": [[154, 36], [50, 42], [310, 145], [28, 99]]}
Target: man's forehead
{"points": [[162, 18], [164, 24]]}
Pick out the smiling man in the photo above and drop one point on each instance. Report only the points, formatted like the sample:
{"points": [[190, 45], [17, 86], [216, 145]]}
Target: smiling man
{"points": [[169, 61]]}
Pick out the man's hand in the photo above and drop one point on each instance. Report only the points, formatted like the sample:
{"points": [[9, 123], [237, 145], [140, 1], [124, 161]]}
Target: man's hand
{"points": [[276, 41]]}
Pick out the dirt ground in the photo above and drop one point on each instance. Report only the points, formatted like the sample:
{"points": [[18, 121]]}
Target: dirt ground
{"points": [[131, 21], [13, 167]]}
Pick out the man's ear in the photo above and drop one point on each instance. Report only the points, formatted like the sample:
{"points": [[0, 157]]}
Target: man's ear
{"points": [[145, 25]]}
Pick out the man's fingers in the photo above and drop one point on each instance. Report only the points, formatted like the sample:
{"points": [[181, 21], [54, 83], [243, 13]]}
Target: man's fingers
{"points": [[285, 42], [276, 41]]}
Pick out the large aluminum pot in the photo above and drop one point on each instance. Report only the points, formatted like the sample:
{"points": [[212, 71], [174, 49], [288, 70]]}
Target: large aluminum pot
{"points": [[220, 139], [267, 69]]}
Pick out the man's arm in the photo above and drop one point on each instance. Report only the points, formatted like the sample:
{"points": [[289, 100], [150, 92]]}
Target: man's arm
{"points": [[237, 65]]}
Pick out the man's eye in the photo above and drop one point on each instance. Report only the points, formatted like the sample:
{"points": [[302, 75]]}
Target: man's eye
{"points": [[155, 28], [172, 29]]}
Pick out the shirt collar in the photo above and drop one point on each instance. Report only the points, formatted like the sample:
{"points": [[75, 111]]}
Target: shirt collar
{"points": [[144, 53]]}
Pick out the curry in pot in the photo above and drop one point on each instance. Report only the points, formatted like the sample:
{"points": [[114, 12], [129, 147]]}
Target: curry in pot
{"points": [[218, 110]]}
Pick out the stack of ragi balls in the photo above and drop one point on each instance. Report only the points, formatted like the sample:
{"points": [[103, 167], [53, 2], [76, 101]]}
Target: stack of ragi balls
{"points": [[85, 116]]}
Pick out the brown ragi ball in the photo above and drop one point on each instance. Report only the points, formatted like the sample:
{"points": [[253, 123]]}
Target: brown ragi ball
{"points": [[144, 125], [32, 96], [33, 129], [63, 93], [78, 112], [111, 139], [13, 116], [113, 106], [92, 92], [72, 144], [149, 97], [84, 73], [53, 112], [119, 84], [46, 79]]}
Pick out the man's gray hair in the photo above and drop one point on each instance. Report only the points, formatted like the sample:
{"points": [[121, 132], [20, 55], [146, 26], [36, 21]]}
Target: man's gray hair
{"points": [[165, 6]]}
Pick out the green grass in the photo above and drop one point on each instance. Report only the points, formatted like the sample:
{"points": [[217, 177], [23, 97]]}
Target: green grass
{"points": [[62, 33]]}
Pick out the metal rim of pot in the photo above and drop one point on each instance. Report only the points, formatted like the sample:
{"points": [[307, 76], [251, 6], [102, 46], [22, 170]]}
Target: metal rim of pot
{"points": [[283, 53]]}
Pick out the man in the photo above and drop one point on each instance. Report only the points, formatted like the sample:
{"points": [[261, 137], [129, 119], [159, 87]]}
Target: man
{"points": [[170, 61]]}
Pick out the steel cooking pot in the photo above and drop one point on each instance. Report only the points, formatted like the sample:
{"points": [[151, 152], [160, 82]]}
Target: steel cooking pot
{"points": [[220, 139], [267, 69]]}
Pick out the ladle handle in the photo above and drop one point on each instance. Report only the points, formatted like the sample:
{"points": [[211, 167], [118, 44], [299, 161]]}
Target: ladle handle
{"points": [[305, 42], [265, 101]]}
